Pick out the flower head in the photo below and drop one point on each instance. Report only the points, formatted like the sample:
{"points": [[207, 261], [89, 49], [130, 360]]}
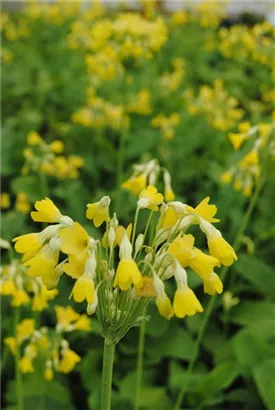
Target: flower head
{"points": [[150, 198], [46, 211], [98, 212]]}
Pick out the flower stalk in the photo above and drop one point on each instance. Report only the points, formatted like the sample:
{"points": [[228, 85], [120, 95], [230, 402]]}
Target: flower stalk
{"points": [[107, 374]]}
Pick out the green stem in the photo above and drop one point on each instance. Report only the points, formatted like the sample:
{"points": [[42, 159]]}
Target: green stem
{"points": [[119, 170], [211, 304], [107, 374], [135, 226], [140, 363], [19, 386]]}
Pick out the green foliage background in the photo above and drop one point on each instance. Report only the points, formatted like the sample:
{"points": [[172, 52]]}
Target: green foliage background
{"points": [[41, 89]]}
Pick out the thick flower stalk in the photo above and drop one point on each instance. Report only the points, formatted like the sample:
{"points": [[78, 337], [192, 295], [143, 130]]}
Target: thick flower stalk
{"points": [[119, 275]]}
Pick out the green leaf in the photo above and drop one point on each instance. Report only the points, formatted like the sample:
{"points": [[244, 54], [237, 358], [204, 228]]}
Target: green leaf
{"points": [[258, 273], [263, 375], [217, 379], [250, 312], [249, 357]]}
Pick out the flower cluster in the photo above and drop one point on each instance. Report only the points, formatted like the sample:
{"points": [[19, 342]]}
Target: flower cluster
{"points": [[166, 124], [22, 288], [247, 171], [53, 13], [148, 174], [48, 158], [119, 291], [48, 346], [101, 114], [171, 82], [220, 109]]}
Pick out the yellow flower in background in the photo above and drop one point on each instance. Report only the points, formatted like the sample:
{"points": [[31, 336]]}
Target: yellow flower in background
{"points": [[11, 343], [68, 361], [135, 184], [186, 303], [5, 200], [150, 198], [33, 138], [26, 365], [22, 203], [20, 297], [98, 212], [46, 211], [168, 218], [57, 146], [74, 241], [25, 329], [8, 287]]}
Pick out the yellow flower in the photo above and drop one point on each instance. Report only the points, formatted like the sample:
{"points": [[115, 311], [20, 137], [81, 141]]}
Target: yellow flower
{"points": [[8, 287], [48, 374], [24, 330], [181, 249], [40, 299], [120, 232], [150, 198], [46, 211], [28, 244], [202, 263], [5, 200], [204, 210], [57, 146], [74, 241], [162, 301], [218, 247], [98, 212], [69, 360], [83, 323], [33, 138], [186, 303], [75, 267], [135, 184], [45, 261], [84, 289], [25, 365], [11, 343], [20, 297], [236, 140], [147, 290], [168, 191], [226, 177], [168, 219], [212, 284], [22, 203], [127, 274]]}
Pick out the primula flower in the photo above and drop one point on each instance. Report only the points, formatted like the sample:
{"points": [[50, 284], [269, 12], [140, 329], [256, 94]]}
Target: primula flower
{"points": [[204, 210], [150, 198], [68, 361], [57, 146], [84, 287], [162, 301], [20, 297], [25, 329], [46, 211], [5, 202], [185, 301], [135, 184], [181, 248], [218, 247], [127, 270], [202, 263], [212, 284], [75, 267], [11, 343], [33, 138], [74, 241], [25, 365], [98, 212], [169, 194]]}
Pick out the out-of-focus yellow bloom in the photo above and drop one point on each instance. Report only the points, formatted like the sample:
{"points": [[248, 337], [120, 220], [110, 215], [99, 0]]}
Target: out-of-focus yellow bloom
{"points": [[68, 361], [150, 198], [57, 146], [5, 200], [33, 138], [25, 365], [135, 184], [22, 203]]}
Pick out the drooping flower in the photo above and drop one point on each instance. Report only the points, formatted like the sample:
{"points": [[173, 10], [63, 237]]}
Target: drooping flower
{"points": [[135, 184], [204, 210], [127, 272], [46, 211], [68, 361], [162, 301]]}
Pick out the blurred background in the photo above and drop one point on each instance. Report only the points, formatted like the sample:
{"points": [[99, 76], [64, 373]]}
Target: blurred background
{"points": [[88, 90]]}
